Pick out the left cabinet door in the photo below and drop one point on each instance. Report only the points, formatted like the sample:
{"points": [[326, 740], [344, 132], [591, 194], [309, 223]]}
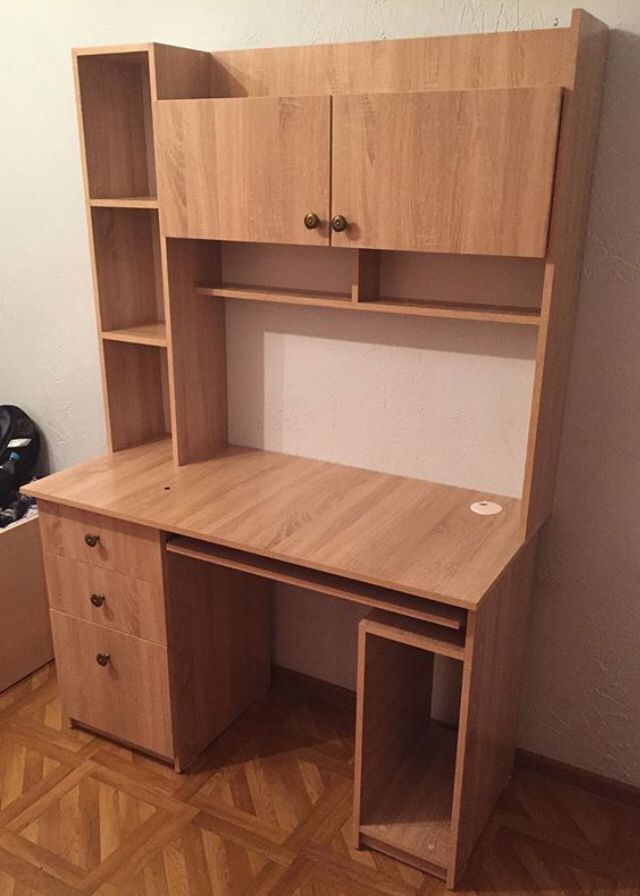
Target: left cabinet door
{"points": [[247, 169]]}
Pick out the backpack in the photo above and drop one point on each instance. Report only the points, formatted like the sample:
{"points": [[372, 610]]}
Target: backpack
{"points": [[18, 434]]}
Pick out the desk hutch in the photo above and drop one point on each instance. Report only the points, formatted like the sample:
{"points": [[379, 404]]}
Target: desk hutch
{"points": [[160, 556]]}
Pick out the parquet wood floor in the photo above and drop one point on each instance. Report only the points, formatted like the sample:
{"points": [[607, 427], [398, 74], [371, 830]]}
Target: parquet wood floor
{"points": [[265, 813]]}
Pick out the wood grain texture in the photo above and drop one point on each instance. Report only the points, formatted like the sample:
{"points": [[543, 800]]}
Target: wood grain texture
{"points": [[105, 820], [536, 58], [219, 626], [321, 582], [405, 534], [128, 698], [126, 257], [115, 108], [136, 391], [24, 621], [133, 550], [130, 605], [145, 334], [566, 244], [179, 73], [197, 352], [467, 171], [490, 705], [307, 298], [243, 169]]}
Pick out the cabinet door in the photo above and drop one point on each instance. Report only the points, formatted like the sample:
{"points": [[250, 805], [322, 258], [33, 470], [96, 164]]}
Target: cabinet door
{"points": [[448, 171], [246, 169]]}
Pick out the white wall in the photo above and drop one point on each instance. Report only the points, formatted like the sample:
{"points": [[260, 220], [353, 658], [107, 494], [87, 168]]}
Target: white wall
{"points": [[583, 679]]}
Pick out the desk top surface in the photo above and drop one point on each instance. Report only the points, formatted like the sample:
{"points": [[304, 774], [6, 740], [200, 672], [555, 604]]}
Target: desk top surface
{"points": [[407, 534]]}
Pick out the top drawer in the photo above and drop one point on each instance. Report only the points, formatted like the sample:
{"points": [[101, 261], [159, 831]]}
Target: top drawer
{"points": [[101, 541]]}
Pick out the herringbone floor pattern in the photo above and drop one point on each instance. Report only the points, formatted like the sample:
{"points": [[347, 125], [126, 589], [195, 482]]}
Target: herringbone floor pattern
{"points": [[267, 811]]}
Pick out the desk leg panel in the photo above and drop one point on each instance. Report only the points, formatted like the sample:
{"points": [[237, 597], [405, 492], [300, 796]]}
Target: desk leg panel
{"points": [[219, 639], [490, 705]]}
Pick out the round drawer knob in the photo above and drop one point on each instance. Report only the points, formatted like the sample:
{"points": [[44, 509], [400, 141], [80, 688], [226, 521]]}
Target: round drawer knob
{"points": [[339, 223], [91, 540], [102, 659], [97, 599], [311, 221]]}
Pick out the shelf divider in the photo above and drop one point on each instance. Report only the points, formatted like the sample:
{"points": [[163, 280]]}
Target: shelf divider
{"points": [[144, 334]]}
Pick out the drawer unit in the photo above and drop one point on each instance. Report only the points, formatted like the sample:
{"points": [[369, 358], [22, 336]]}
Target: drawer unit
{"points": [[106, 597], [102, 541], [114, 683]]}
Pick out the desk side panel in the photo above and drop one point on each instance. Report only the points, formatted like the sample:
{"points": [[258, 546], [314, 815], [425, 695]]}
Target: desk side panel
{"points": [[490, 704]]}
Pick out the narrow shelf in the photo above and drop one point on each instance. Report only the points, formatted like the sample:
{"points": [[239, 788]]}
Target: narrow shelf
{"points": [[412, 821], [489, 313], [126, 202], [280, 296], [146, 334]]}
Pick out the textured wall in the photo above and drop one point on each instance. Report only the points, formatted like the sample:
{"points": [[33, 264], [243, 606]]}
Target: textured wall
{"points": [[583, 678]]}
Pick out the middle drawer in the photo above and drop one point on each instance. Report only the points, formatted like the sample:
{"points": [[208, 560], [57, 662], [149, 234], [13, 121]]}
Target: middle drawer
{"points": [[106, 597]]}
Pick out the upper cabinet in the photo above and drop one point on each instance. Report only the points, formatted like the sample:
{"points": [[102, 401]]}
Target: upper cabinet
{"points": [[466, 171], [446, 171], [254, 169]]}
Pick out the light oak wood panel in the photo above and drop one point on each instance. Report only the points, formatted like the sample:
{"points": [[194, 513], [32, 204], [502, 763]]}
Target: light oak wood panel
{"points": [[126, 246], [179, 73], [244, 169], [405, 534], [24, 620], [309, 298], [136, 384], [145, 334], [130, 605], [115, 108], [125, 202], [564, 260], [197, 352], [510, 59], [466, 171], [134, 550], [321, 582], [490, 706], [219, 626], [128, 697], [412, 820]]}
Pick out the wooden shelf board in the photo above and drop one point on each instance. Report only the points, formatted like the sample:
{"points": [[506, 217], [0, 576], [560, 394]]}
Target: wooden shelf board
{"points": [[279, 296], [125, 202], [489, 313], [145, 334], [413, 817], [507, 314], [408, 535]]}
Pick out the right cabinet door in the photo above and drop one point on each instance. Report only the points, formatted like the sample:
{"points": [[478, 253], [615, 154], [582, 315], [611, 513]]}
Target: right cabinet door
{"points": [[446, 171]]}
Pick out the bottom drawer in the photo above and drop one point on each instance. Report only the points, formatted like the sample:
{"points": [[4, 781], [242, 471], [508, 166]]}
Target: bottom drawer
{"points": [[125, 694]]}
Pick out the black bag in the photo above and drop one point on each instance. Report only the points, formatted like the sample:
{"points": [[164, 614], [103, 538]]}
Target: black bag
{"points": [[18, 435]]}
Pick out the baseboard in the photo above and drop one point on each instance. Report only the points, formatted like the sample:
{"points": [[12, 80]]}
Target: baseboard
{"points": [[309, 686]]}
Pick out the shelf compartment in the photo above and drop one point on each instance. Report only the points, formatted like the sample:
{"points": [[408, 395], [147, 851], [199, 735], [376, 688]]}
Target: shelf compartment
{"points": [[115, 105], [125, 202], [412, 822], [127, 261], [342, 301], [137, 392], [146, 334], [405, 759]]}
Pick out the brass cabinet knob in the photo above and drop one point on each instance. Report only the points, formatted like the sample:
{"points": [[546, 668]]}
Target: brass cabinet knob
{"points": [[102, 659], [311, 221], [97, 599], [91, 539], [339, 223]]}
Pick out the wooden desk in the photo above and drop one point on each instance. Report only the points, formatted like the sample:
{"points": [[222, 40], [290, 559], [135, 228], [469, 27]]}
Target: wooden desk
{"points": [[406, 534], [166, 572]]}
